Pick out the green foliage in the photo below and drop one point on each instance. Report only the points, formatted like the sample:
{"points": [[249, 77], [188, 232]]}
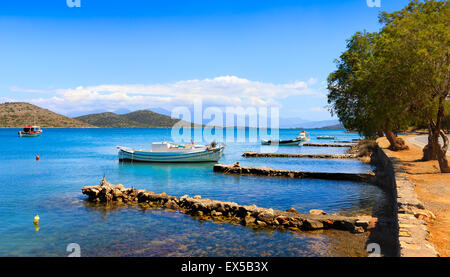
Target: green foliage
{"points": [[393, 79], [349, 86], [138, 119]]}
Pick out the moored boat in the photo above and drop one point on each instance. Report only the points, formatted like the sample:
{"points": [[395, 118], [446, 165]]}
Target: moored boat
{"points": [[30, 131], [166, 152], [293, 142], [326, 137]]}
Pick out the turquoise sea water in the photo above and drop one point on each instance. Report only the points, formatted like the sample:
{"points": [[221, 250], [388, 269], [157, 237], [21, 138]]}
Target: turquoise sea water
{"points": [[73, 158]]}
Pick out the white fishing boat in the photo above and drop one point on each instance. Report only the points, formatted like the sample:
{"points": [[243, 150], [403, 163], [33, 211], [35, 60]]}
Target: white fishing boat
{"points": [[167, 152], [30, 131]]}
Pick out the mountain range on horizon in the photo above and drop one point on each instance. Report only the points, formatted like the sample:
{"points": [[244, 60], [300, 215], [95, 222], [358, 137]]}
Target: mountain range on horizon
{"points": [[18, 114], [284, 122]]}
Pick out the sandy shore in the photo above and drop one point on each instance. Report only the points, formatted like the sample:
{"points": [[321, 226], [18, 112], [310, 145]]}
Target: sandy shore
{"points": [[432, 188]]}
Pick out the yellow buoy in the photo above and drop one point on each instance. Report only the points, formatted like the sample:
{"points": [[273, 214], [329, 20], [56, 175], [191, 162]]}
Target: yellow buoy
{"points": [[36, 219]]}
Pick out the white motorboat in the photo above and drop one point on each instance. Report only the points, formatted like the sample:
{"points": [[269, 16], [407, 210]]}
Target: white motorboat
{"points": [[167, 152], [304, 136]]}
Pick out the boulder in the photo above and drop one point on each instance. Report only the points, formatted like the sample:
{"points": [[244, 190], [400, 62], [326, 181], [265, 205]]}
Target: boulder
{"points": [[317, 212], [292, 210], [311, 224]]}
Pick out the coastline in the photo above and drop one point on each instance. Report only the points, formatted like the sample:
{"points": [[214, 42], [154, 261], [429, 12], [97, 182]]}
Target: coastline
{"points": [[429, 186]]}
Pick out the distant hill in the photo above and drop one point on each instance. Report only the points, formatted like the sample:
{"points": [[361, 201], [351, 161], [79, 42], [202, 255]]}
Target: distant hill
{"points": [[19, 114], [138, 119], [337, 126], [305, 124]]}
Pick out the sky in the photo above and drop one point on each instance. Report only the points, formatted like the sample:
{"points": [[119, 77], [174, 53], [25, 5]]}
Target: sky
{"points": [[111, 55]]}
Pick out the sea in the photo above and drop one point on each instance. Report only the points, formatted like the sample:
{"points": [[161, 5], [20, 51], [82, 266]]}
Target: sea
{"points": [[72, 158]]}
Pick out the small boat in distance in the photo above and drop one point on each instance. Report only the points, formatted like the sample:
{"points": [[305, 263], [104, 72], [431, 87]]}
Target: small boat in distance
{"points": [[302, 137], [167, 152], [326, 137], [293, 142], [30, 131]]}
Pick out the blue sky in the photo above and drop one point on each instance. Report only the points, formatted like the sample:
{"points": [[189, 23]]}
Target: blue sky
{"points": [[130, 54]]}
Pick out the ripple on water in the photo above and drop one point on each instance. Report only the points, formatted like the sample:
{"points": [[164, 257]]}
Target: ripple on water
{"points": [[71, 159]]}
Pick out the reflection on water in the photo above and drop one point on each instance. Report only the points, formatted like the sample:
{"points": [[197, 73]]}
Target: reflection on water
{"points": [[74, 158]]}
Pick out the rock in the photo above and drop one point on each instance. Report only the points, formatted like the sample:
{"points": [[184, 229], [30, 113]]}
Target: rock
{"points": [[237, 164], [373, 223], [313, 224], [363, 222], [358, 229], [282, 220], [249, 220], [292, 210], [266, 216], [229, 211], [317, 212], [216, 214], [261, 223], [423, 214], [171, 205], [198, 213]]}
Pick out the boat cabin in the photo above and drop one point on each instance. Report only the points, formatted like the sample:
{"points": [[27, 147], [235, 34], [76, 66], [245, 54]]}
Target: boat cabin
{"points": [[31, 129]]}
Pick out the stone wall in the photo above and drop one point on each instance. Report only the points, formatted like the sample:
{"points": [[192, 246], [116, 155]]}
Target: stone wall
{"points": [[206, 209], [298, 156], [237, 169], [411, 215]]}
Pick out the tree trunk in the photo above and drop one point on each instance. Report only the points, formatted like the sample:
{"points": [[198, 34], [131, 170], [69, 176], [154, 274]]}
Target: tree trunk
{"points": [[433, 146], [430, 151], [397, 144], [442, 155]]}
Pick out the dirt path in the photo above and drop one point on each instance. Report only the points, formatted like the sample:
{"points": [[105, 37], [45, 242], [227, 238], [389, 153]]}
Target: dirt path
{"points": [[433, 189], [421, 141]]}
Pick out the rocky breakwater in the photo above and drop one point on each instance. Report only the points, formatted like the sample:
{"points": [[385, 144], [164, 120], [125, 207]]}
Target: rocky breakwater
{"points": [[297, 156], [206, 209], [326, 145], [294, 174]]}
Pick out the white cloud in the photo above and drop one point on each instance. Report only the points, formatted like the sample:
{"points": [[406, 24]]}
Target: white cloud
{"points": [[220, 91]]}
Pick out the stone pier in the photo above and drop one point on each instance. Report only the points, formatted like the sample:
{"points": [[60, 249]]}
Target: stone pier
{"points": [[297, 156], [251, 216], [269, 172], [326, 145]]}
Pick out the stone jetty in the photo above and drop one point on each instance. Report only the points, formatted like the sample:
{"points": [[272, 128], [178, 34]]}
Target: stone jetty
{"points": [[297, 156], [326, 145], [294, 174], [251, 216]]}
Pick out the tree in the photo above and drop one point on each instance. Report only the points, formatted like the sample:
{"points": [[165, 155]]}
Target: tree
{"points": [[361, 91], [418, 36], [400, 76]]}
